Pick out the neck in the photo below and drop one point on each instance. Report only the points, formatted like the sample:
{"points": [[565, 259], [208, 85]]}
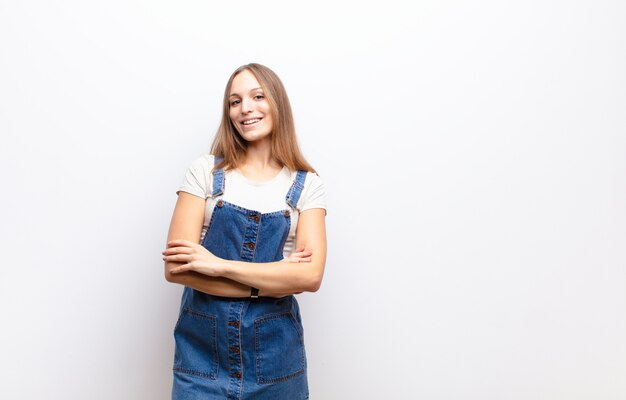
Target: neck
{"points": [[259, 156]]}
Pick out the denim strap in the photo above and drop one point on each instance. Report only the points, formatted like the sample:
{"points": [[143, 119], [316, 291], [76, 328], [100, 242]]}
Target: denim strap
{"points": [[218, 178], [293, 195]]}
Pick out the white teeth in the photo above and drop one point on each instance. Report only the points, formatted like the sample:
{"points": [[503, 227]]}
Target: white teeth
{"points": [[252, 121]]}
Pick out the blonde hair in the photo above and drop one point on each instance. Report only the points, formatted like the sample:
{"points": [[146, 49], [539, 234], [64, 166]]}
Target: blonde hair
{"points": [[229, 144]]}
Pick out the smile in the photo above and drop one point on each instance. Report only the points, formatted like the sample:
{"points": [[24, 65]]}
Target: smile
{"points": [[251, 121]]}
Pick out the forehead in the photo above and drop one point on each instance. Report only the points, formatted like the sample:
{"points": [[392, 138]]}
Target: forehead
{"points": [[243, 83]]}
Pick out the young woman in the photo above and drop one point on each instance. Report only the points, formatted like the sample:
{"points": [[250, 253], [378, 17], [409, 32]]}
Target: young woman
{"points": [[248, 232]]}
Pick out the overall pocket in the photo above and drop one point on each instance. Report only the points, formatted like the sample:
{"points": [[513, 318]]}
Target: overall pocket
{"points": [[196, 344], [279, 348]]}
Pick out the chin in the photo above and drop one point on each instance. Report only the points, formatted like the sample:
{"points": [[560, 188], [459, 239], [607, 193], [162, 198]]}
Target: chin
{"points": [[253, 137]]}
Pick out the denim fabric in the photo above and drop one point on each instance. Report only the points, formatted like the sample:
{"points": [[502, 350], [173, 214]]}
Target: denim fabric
{"points": [[234, 348]]}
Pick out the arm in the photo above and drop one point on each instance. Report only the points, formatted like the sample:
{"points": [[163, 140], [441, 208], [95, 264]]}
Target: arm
{"points": [[275, 277], [186, 224], [285, 276]]}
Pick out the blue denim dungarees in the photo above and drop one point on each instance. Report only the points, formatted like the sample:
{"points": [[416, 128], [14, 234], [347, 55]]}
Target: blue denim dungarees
{"points": [[241, 348]]}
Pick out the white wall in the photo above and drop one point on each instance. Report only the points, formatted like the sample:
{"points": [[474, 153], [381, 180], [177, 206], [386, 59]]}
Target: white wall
{"points": [[474, 155]]}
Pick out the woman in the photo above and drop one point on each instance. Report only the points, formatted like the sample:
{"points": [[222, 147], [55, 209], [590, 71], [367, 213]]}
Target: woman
{"points": [[248, 232]]}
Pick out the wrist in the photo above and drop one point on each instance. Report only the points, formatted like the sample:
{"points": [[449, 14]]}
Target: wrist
{"points": [[225, 267]]}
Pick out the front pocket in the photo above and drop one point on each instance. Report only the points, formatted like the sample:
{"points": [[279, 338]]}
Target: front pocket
{"points": [[279, 348], [196, 344]]}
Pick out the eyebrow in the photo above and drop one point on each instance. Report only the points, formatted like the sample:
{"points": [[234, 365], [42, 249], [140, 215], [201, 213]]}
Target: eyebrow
{"points": [[251, 90]]}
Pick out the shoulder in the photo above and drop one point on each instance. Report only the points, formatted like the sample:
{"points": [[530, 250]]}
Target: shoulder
{"points": [[313, 192], [313, 180], [202, 166], [204, 162], [198, 178], [309, 176]]}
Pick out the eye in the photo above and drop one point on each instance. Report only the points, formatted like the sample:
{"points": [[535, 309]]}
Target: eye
{"points": [[259, 97], [234, 102]]}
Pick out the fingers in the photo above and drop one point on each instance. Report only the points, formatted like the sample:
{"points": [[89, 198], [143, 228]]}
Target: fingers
{"points": [[178, 257], [300, 256], [181, 242], [177, 254], [177, 250], [182, 268], [300, 250]]}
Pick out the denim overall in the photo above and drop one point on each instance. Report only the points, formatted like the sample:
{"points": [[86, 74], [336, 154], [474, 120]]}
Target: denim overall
{"points": [[241, 348]]}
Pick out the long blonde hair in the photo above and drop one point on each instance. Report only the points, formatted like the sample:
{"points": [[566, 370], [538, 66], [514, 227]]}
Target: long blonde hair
{"points": [[229, 144]]}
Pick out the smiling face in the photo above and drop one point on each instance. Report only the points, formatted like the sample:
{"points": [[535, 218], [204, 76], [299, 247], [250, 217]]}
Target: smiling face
{"points": [[249, 109]]}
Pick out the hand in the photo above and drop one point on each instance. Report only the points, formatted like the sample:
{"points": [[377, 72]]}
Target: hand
{"points": [[193, 257], [300, 255]]}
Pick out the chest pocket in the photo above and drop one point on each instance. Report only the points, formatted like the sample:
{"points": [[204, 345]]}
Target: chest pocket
{"points": [[237, 233]]}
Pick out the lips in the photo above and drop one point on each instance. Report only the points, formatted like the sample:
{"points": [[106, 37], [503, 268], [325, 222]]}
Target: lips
{"points": [[250, 123]]}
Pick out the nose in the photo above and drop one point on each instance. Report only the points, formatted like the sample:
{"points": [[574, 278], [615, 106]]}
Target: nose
{"points": [[247, 105]]}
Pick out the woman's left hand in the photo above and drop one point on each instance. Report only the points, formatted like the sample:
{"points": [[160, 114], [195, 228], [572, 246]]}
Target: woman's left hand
{"points": [[193, 257]]}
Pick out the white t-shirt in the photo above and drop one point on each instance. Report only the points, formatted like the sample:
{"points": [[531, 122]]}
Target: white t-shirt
{"points": [[264, 197]]}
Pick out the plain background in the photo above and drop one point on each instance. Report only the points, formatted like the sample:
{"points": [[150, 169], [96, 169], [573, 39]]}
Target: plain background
{"points": [[474, 156]]}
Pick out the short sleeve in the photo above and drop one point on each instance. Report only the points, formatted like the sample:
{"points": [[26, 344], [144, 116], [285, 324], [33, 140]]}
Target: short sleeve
{"points": [[197, 179], [314, 193]]}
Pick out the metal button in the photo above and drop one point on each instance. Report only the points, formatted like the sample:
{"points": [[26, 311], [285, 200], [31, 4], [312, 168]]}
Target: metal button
{"points": [[233, 323], [250, 246], [256, 218], [287, 213], [220, 203], [234, 349], [236, 375]]}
